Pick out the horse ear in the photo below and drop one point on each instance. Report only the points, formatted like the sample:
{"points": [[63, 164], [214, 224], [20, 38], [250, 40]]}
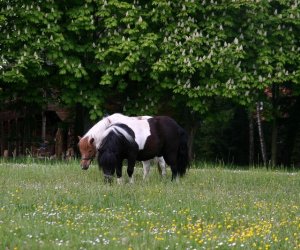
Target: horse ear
{"points": [[92, 140]]}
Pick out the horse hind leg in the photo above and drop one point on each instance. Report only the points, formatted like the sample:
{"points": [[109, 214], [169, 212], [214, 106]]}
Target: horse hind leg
{"points": [[174, 171], [162, 166], [146, 167], [171, 161], [174, 175]]}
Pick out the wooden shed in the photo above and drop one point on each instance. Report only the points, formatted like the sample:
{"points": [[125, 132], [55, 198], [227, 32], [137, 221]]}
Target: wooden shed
{"points": [[48, 133]]}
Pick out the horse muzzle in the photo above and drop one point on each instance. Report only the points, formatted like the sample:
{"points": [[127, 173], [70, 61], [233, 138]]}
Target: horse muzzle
{"points": [[85, 164]]}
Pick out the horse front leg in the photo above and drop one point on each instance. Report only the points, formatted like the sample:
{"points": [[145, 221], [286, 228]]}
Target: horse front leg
{"points": [[108, 179], [119, 173], [130, 169], [108, 174]]}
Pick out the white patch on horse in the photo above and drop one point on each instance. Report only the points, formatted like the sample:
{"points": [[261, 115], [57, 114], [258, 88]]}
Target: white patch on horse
{"points": [[118, 130], [143, 117], [141, 129]]}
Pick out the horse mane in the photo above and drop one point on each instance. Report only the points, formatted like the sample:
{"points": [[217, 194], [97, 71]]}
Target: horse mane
{"points": [[115, 137], [115, 134], [121, 130]]}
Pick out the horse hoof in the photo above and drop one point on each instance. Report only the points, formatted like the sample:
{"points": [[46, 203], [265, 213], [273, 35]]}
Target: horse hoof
{"points": [[108, 179], [119, 181], [131, 180]]}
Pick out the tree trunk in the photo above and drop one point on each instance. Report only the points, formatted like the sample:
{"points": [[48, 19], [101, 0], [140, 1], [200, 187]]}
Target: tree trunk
{"points": [[275, 95], [274, 143], [44, 126], [261, 134], [251, 139], [58, 144], [1, 138], [192, 134], [18, 144]]}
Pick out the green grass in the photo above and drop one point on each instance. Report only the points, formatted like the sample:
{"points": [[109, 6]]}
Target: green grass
{"points": [[59, 206]]}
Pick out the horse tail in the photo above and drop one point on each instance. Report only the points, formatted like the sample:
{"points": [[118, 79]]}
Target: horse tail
{"points": [[183, 153]]}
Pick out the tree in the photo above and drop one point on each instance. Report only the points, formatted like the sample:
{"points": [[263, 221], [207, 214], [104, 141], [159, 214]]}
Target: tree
{"points": [[46, 53], [149, 57], [270, 31], [232, 59], [30, 39]]}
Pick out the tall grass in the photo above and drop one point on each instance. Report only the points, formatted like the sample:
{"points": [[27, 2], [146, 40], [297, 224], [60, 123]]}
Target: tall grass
{"points": [[47, 205]]}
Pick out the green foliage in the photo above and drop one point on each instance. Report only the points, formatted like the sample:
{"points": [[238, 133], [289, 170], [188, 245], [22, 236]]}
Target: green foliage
{"points": [[94, 52], [30, 37]]}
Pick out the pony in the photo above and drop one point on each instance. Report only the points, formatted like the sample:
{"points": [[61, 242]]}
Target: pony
{"points": [[90, 142], [140, 140]]}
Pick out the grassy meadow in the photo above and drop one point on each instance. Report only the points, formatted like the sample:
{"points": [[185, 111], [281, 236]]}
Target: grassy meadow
{"points": [[46, 205]]}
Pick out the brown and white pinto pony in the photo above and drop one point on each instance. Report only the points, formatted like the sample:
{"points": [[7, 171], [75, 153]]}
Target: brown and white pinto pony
{"points": [[130, 141], [90, 142], [138, 140]]}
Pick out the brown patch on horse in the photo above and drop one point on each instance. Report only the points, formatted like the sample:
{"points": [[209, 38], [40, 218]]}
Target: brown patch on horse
{"points": [[87, 150]]}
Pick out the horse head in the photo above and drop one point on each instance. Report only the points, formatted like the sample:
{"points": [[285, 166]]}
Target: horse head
{"points": [[87, 150]]}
